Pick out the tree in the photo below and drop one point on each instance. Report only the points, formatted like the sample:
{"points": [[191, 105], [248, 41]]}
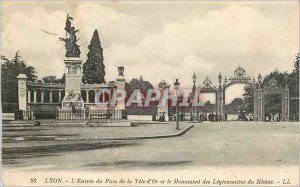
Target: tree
{"points": [[143, 86], [9, 72], [248, 98], [53, 79], [140, 84], [235, 106], [208, 107], [279, 77], [294, 90], [94, 69]]}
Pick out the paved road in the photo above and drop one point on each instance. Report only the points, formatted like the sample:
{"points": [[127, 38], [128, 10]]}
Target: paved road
{"points": [[209, 144]]}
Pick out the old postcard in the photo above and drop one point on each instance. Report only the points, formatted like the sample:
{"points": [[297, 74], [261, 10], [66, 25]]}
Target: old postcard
{"points": [[150, 93]]}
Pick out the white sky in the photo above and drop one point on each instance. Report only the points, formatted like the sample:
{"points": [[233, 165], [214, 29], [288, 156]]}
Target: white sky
{"points": [[159, 40]]}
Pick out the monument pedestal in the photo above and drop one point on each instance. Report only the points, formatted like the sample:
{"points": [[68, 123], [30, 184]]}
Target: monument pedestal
{"points": [[72, 104]]}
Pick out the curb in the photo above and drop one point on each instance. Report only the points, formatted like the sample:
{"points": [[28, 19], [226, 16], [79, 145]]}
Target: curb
{"points": [[31, 138], [56, 138], [70, 123], [129, 138]]}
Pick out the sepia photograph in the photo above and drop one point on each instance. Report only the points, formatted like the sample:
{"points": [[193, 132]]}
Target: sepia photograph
{"points": [[150, 93]]}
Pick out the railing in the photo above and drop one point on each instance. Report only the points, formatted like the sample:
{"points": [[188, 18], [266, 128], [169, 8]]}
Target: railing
{"points": [[62, 85], [137, 110], [81, 114], [46, 85]]}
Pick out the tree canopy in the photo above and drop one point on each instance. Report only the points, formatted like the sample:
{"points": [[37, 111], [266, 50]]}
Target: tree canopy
{"points": [[208, 107], [53, 79], [236, 105], [93, 68], [9, 83], [140, 84]]}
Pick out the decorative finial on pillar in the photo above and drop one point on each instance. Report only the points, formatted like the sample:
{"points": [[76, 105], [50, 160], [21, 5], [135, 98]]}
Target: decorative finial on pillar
{"points": [[21, 76], [163, 85], [121, 77], [225, 81], [286, 79], [121, 71], [220, 79], [259, 78], [194, 79]]}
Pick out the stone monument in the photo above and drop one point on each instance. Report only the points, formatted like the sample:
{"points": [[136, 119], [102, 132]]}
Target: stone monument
{"points": [[73, 71]]}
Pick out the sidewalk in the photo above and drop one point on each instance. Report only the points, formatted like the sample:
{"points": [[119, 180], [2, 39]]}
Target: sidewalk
{"points": [[182, 132], [93, 133]]}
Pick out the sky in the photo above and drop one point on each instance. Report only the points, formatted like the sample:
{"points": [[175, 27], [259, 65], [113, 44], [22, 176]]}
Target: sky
{"points": [[158, 40]]}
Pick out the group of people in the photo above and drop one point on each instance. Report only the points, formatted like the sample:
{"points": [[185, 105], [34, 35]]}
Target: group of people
{"points": [[215, 117], [159, 117], [273, 117], [212, 117], [242, 116]]}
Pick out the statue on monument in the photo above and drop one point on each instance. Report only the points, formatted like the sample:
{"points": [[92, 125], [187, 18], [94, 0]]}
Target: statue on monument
{"points": [[73, 96], [72, 48]]}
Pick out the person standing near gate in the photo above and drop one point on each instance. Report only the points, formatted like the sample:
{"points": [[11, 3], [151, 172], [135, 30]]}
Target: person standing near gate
{"points": [[220, 118], [216, 117], [225, 116], [200, 118]]}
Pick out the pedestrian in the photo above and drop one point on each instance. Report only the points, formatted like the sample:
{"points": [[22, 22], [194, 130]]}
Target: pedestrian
{"points": [[200, 118], [153, 117], [158, 116], [216, 117], [205, 116]]}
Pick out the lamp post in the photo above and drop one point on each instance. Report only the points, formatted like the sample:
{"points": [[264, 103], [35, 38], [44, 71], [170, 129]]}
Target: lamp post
{"points": [[176, 86], [194, 90]]}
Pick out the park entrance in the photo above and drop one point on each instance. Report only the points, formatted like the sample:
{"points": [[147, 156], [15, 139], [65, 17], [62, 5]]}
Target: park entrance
{"points": [[261, 92], [240, 77]]}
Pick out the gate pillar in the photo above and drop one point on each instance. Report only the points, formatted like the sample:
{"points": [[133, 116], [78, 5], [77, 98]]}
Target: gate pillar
{"points": [[120, 88], [22, 90], [163, 107], [285, 104], [219, 106], [258, 105]]}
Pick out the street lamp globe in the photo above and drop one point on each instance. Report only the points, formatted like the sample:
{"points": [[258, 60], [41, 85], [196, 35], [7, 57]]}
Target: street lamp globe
{"points": [[194, 78], [176, 86]]}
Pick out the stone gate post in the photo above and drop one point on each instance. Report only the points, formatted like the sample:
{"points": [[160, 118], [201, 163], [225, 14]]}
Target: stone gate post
{"points": [[163, 107], [258, 105], [22, 90], [285, 104], [121, 87], [219, 102]]}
